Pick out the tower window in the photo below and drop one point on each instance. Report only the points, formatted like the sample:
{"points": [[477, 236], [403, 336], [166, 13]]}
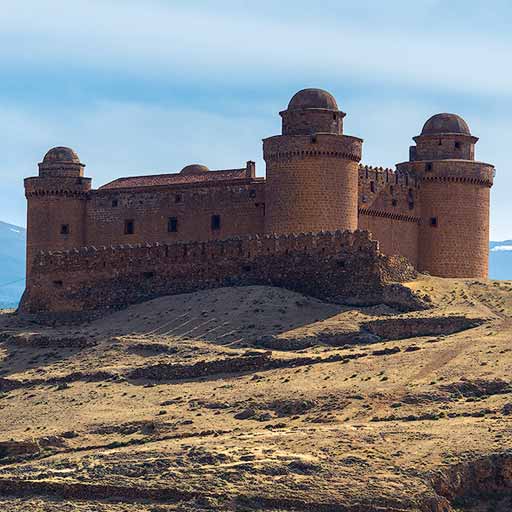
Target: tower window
{"points": [[115, 203], [433, 222], [177, 198], [215, 222], [428, 167], [394, 202], [457, 145], [129, 227], [252, 193], [372, 186], [172, 225], [64, 229]]}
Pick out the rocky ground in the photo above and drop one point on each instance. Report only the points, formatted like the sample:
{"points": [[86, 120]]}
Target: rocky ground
{"points": [[257, 399]]}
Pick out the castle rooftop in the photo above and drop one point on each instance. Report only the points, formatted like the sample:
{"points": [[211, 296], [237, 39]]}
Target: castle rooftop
{"points": [[181, 178], [445, 124], [313, 98]]}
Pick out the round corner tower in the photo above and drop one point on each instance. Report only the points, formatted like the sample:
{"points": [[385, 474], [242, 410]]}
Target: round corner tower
{"points": [[312, 168], [56, 203], [454, 199]]}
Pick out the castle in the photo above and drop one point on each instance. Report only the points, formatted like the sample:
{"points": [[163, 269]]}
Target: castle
{"points": [[432, 210]]}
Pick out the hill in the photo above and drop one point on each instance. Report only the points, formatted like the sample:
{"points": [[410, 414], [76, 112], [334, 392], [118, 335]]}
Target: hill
{"points": [[12, 264], [257, 399]]}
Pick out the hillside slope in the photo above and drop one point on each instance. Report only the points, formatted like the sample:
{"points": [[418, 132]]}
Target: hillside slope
{"points": [[258, 398]]}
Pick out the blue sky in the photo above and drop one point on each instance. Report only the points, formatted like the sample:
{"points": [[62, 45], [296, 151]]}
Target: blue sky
{"points": [[149, 86]]}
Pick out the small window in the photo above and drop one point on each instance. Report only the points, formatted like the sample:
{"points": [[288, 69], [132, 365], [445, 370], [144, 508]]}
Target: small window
{"points": [[334, 116], [252, 193], [457, 145], [428, 167], [372, 186], [148, 275], [440, 143], [177, 198], [172, 225], [433, 222], [394, 202], [58, 284], [215, 222], [64, 229], [129, 227], [364, 198], [115, 203]]}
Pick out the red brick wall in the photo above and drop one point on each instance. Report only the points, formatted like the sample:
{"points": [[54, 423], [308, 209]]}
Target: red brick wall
{"points": [[51, 204], [241, 208], [397, 234], [456, 193], [312, 183]]}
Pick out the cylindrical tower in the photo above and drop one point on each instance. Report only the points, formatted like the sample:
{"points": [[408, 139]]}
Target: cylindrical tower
{"points": [[56, 204], [454, 199], [312, 168]]}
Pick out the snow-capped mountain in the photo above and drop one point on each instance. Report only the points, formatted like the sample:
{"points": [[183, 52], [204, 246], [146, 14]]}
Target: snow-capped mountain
{"points": [[12, 264]]}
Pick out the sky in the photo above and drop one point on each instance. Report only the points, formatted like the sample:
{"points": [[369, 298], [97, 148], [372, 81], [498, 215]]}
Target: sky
{"points": [[140, 87]]}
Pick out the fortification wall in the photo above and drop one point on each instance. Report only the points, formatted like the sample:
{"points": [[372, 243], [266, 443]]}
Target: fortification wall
{"points": [[339, 266], [397, 233], [240, 208]]}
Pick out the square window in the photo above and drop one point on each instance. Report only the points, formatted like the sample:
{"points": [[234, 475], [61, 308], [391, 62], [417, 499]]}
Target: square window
{"points": [[433, 222], [215, 222], [172, 225], [64, 229], [129, 227]]}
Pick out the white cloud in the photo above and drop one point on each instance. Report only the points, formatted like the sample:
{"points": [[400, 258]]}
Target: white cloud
{"points": [[190, 42], [500, 248]]}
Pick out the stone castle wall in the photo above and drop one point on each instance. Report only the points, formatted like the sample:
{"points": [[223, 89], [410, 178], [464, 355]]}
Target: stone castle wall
{"points": [[339, 266], [311, 183]]}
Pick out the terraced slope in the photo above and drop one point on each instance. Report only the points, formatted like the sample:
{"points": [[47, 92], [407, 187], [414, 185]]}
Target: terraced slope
{"points": [[262, 399]]}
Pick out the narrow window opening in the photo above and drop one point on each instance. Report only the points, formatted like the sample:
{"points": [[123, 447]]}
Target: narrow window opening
{"points": [[440, 143], [177, 198], [58, 284], [433, 222], [215, 222], [334, 117], [394, 202], [115, 203], [172, 225], [428, 167], [64, 229], [129, 227], [252, 193], [372, 186], [457, 145]]}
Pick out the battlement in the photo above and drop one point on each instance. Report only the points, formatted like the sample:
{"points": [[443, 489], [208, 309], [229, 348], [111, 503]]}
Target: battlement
{"points": [[339, 266], [250, 247], [386, 175]]}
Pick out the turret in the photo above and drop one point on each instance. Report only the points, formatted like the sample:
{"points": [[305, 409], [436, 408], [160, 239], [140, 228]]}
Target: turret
{"points": [[56, 204], [312, 168], [454, 199]]}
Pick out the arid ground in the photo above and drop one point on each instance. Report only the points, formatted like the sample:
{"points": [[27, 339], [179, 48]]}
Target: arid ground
{"points": [[259, 398]]}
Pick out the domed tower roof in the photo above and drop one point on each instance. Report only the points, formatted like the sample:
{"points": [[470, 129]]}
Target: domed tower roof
{"points": [[444, 124], [194, 169], [313, 98], [61, 155]]}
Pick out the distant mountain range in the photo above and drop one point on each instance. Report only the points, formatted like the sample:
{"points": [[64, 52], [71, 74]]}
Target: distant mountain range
{"points": [[12, 263]]}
